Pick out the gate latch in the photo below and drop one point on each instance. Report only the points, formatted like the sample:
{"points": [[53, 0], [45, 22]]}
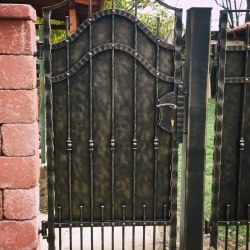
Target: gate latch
{"points": [[43, 230], [207, 228], [39, 52], [167, 114]]}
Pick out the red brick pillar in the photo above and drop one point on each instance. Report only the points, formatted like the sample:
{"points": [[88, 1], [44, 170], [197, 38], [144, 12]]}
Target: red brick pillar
{"points": [[19, 158]]}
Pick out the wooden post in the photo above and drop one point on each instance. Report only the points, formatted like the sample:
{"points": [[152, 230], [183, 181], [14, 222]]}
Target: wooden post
{"points": [[73, 19]]}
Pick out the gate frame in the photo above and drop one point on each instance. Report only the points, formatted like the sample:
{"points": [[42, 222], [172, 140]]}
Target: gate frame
{"points": [[197, 52]]}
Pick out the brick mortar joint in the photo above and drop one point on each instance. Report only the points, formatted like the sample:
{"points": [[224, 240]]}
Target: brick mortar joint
{"points": [[17, 18], [2, 207], [20, 221]]}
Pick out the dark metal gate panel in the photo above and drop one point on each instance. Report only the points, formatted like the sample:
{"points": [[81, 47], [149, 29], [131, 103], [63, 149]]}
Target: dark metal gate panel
{"points": [[112, 156], [231, 189]]}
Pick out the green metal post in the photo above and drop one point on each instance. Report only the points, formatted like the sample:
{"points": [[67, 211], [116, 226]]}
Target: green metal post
{"points": [[42, 111]]}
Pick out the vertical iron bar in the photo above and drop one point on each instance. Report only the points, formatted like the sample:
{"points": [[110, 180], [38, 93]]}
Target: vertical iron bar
{"points": [[197, 57], [134, 143], [69, 142], [227, 225], [81, 225], [136, 7], [165, 226], [237, 235], [112, 142], [50, 131], [60, 227], [218, 129], [102, 227], [179, 87], [42, 111], [144, 227], [173, 195], [177, 136], [91, 141], [156, 140], [241, 141], [123, 226], [248, 226], [90, 9]]}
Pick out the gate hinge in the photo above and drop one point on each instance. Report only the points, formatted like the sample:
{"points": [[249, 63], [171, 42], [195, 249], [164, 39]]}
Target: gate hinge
{"points": [[207, 228], [43, 230], [39, 52]]}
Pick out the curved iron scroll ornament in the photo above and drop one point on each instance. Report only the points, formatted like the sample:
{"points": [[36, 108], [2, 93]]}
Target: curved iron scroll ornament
{"points": [[57, 214]]}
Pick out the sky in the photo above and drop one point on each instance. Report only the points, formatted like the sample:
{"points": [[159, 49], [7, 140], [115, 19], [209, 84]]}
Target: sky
{"points": [[186, 4]]}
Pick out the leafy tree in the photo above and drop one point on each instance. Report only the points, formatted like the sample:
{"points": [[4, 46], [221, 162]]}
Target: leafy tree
{"points": [[56, 35], [148, 11]]}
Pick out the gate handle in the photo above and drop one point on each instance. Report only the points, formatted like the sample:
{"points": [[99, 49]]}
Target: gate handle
{"points": [[167, 116]]}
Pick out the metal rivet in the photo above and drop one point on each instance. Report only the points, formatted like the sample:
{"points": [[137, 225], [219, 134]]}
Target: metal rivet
{"points": [[134, 223], [102, 224], [158, 41], [81, 225], [136, 19], [92, 224], [157, 73], [70, 224], [246, 79], [90, 54], [90, 19], [67, 74], [67, 41], [113, 224], [248, 46], [113, 10], [136, 53], [123, 224], [113, 45]]}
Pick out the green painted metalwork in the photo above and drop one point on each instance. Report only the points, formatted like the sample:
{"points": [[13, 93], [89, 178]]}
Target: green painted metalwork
{"points": [[42, 110]]}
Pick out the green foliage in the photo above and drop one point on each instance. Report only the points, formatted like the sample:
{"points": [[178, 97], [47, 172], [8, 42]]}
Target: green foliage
{"points": [[56, 35], [148, 11]]}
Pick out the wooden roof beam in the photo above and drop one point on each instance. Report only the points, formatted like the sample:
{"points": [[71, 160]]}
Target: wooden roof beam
{"points": [[86, 2]]}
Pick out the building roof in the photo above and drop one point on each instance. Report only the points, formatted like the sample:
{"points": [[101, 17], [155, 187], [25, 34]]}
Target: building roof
{"points": [[81, 7], [239, 28]]}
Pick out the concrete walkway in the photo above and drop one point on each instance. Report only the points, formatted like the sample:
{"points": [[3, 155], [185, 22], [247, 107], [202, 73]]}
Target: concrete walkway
{"points": [[107, 238]]}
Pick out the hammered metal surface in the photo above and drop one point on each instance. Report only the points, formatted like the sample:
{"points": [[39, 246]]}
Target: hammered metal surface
{"points": [[102, 123], [230, 178]]}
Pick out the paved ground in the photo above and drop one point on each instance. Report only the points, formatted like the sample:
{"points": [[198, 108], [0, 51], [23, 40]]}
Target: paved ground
{"points": [[107, 238]]}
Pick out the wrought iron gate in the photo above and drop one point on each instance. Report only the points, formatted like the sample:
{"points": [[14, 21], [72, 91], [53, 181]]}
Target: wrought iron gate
{"points": [[231, 175], [114, 111]]}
